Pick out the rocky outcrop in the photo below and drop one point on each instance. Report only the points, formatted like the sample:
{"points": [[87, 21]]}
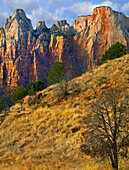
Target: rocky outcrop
{"points": [[98, 32], [26, 54], [62, 27]]}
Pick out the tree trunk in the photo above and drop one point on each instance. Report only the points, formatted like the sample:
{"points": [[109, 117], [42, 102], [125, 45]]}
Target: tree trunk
{"points": [[112, 160], [115, 160]]}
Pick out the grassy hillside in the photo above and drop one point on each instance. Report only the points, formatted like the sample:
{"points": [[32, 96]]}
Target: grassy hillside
{"points": [[48, 133]]}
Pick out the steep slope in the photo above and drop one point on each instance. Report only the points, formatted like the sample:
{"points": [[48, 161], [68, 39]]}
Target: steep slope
{"points": [[26, 54], [47, 133]]}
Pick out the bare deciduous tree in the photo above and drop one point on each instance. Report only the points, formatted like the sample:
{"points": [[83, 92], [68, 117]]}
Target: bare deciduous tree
{"points": [[107, 130], [63, 87]]}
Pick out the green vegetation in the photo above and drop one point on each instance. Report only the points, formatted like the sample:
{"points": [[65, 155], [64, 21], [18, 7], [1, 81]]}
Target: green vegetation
{"points": [[127, 72], [33, 87], [30, 89], [18, 94], [57, 73], [115, 51], [2, 106], [48, 134], [5, 100]]}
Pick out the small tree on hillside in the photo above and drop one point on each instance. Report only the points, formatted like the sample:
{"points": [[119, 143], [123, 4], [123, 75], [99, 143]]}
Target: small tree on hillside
{"points": [[57, 73], [39, 85], [33, 87], [18, 94], [115, 51], [107, 130], [30, 88]]}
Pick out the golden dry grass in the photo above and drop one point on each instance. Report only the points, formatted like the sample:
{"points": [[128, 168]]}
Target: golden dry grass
{"points": [[40, 136]]}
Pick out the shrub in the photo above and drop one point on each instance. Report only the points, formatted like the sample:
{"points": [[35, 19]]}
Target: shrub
{"points": [[18, 94], [115, 51], [30, 89], [39, 85], [33, 87], [2, 106]]}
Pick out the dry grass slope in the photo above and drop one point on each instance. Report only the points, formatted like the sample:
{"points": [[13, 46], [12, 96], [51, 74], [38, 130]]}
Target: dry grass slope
{"points": [[48, 134]]}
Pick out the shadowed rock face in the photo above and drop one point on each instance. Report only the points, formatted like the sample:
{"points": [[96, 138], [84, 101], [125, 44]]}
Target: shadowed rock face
{"points": [[26, 54]]}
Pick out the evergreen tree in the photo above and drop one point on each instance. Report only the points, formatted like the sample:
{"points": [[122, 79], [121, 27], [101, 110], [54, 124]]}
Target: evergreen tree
{"points": [[57, 73], [33, 87], [115, 51], [30, 88], [39, 85], [18, 94]]}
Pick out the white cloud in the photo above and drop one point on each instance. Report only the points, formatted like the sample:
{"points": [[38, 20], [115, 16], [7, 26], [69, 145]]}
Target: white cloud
{"points": [[3, 17], [25, 4], [53, 10], [114, 6], [34, 10], [55, 1], [86, 8], [125, 7], [61, 11], [82, 8], [42, 14], [55, 4]]}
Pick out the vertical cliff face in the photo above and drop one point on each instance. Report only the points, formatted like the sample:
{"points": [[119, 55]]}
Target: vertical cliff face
{"points": [[23, 51], [26, 54], [100, 31]]}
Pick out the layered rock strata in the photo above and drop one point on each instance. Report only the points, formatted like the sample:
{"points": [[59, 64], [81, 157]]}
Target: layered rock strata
{"points": [[26, 54]]}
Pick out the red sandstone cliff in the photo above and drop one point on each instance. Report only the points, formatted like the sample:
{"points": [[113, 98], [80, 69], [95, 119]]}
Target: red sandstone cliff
{"points": [[100, 31], [26, 54]]}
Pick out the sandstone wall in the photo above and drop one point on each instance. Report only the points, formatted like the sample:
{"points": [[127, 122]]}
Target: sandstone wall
{"points": [[26, 54]]}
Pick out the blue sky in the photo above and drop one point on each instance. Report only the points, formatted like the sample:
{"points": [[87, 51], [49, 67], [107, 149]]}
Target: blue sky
{"points": [[53, 10]]}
